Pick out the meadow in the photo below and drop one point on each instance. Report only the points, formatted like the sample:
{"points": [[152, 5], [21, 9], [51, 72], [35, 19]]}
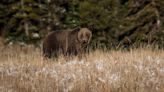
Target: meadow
{"points": [[23, 69]]}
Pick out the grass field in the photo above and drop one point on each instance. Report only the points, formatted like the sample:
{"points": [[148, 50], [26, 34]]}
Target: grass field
{"points": [[22, 69]]}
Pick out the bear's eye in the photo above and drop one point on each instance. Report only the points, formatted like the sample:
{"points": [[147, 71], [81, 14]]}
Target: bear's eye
{"points": [[87, 35], [81, 36]]}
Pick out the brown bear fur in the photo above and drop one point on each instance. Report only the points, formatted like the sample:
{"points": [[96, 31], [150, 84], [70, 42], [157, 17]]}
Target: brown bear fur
{"points": [[66, 42]]}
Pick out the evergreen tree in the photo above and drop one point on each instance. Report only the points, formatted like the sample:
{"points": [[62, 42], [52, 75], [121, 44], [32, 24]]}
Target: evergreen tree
{"points": [[114, 23]]}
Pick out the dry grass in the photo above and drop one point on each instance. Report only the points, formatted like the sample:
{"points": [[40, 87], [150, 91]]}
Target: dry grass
{"points": [[138, 70]]}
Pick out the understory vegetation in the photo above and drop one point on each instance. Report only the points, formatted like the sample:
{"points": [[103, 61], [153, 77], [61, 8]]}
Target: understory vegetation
{"points": [[22, 69]]}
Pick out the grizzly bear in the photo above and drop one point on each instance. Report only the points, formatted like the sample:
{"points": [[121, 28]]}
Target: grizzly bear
{"points": [[67, 42]]}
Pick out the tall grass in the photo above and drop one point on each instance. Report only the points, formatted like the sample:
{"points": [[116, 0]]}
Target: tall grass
{"points": [[22, 69]]}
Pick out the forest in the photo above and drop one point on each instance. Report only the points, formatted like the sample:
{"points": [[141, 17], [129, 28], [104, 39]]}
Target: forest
{"points": [[114, 23]]}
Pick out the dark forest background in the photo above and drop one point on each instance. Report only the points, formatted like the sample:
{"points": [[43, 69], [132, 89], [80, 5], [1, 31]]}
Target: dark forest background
{"points": [[114, 23]]}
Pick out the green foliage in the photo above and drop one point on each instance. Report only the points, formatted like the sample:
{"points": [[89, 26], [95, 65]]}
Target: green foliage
{"points": [[114, 23]]}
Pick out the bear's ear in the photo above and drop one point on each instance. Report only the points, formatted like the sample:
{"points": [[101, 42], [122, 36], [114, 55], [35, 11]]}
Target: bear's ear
{"points": [[76, 29], [79, 35]]}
